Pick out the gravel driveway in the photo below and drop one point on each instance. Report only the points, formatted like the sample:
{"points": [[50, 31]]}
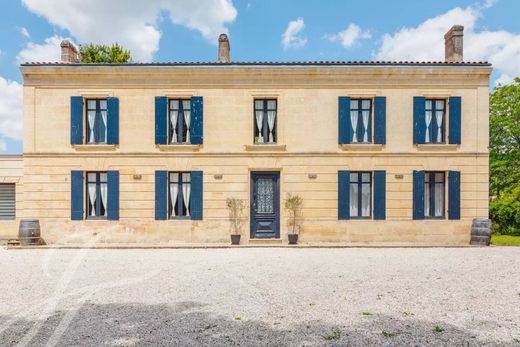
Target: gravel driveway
{"points": [[261, 297]]}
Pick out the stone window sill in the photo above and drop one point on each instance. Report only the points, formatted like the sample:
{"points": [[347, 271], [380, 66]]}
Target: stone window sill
{"points": [[94, 147], [180, 148], [361, 147], [437, 147], [265, 147]]}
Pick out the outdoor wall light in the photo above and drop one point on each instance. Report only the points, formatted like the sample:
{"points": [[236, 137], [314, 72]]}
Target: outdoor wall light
{"points": [[137, 177], [312, 176]]}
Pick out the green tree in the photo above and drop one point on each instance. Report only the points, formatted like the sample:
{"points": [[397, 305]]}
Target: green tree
{"points": [[504, 152], [104, 54]]}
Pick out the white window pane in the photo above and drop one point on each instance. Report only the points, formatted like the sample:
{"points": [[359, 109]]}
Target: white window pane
{"points": [[439, 104], [91, 104], [271, 104], [353, 177], [353, 200], [439, 200], [365, 177], [439, 177], [186, 177], [428, 104], [91, 177], [354, 104], [259, 104], [174, 177], [186, 104], [103, 104], [103, 176], [365, 104], [365, 200], [426, 199], [174, 104]]}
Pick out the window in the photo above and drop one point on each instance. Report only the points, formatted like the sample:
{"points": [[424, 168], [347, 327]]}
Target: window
{"points": [[360, 194], [96, 195], [7, 201], [180, 194], [265, 121], [435, 111], [179, 124], [96, 121], [360, 119], [434, 194]]}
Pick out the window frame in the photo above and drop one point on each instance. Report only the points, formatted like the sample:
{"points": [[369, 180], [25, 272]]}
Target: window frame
{"points": [[181, 123], [360, 198], [360, 110], [433, 110], [14, 202], [431, 193], [98, 183], [265, 124], [98, 120], [180, 196]]}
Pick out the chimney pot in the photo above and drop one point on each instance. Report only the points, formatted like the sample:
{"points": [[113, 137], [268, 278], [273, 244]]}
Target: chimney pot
{"points": [[453, 44], [69, 53], [223, 49]]}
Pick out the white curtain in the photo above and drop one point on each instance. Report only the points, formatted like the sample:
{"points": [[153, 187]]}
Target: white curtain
{"points": [[187, 118], [174, 191], [259, 115], [92, 196], [271, 116], [438, 116], [104, 118], [365, 200], [173, 121], [365, 125], [428, 118], [354, 120], [91, 123], [427, 199], [103, 188], [354, 199], [439, 199], [186, 191]]}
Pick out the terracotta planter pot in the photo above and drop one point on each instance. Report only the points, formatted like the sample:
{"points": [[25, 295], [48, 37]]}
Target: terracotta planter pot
{"points": [[235, 239], [293, 239]]}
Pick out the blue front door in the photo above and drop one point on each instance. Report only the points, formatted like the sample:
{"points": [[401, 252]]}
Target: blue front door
{"points": [[265, 205]]}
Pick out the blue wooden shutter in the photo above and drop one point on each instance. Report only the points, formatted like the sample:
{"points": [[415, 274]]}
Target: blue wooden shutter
{"points": [[112, 121], [196, 123], [454, 195], [455, 120], [161, 103], [196, 195], [418, 194], [76, 120], [161, 183], [380, 194], [419, 124], [113, 195], [344, 126], [343, 195], [380, 120], [76, 195]]}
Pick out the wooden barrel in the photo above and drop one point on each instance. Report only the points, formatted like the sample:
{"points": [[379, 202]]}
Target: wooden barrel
{"points": [[29, 231], [481, 232]]}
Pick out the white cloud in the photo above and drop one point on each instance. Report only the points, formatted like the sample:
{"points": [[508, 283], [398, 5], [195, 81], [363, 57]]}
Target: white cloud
{"points": [[48, 51], [24, 32], [426, 42], [349, 36], [10, 111], [291, 38], [134, 24]]}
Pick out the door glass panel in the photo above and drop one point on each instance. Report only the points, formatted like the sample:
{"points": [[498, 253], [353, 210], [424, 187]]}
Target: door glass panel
{"points": [[265, 195]]}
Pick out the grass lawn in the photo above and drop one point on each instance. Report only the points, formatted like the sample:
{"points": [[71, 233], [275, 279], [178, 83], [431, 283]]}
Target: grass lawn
{"points": [[505, 240]]}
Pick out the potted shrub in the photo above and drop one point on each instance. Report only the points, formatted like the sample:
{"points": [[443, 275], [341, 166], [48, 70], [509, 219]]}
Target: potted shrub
{"points": [[236, 216], [293, 204]]}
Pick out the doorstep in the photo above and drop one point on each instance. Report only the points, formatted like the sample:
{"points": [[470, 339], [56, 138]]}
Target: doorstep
{"points": [[265, 241]]}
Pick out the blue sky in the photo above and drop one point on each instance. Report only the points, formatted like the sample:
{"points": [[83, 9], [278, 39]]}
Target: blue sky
{"points": [[185, 30]]}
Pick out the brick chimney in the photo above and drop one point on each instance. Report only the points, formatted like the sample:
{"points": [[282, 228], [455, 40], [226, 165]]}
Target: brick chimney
{"points": [[223, 49], [69, 53], [453, 44]]}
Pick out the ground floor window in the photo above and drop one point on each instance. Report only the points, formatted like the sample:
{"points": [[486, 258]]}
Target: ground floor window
{"points": [[96, 195], [7, 201], [360, 194], [434, 194], [179, 194]]}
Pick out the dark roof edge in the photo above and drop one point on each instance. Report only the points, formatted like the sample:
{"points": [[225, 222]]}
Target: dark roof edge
{"points": [[260, 63]]}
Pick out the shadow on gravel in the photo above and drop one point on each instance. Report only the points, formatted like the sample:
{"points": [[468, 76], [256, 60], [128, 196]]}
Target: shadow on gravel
{"points": [[192, 324]]}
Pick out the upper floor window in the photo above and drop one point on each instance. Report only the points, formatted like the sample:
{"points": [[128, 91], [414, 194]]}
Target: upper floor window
{"points": [[435, 112], [434, 194], [180, 119], [360, 119], [96, 121], [265, 121], [97, 195], [360, 187], [179, 194]]}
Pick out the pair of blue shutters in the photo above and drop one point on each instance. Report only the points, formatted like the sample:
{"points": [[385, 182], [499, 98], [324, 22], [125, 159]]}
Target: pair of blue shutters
{"points": [[453, 195], [345, 130], [161, 120], [78, 198], [419, 123], [379, 196], [77, 116], [161, 196]]}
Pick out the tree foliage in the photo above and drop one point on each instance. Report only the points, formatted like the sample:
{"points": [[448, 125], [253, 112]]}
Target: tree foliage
{"points": [[104, 54], [504, 151]]}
